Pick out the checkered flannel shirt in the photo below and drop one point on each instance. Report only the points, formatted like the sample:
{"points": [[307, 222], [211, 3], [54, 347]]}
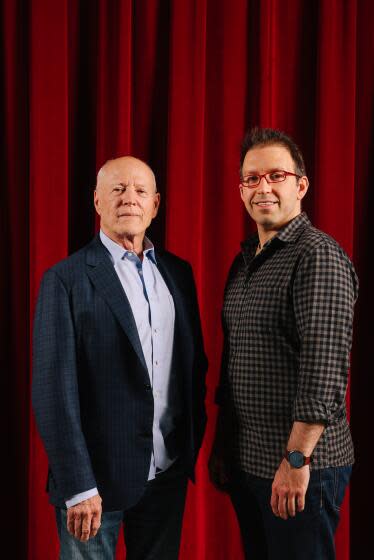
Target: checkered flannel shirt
{"points": [[287, 320]]}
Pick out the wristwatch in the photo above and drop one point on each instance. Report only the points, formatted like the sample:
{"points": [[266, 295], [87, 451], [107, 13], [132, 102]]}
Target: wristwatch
{"points": [[296, 459]]}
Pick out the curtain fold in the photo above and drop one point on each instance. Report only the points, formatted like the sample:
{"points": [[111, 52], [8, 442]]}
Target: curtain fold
{"points": [[48, 188], [176, 83], [14, 292]]}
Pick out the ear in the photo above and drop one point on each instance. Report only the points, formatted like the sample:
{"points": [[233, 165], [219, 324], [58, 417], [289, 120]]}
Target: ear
{"points": [[156, 202], [241, 188], [302, 187], [97, 202]]}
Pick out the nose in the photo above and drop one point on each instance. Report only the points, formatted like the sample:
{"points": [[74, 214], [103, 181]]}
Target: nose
{"points": [[128, 196], [263, 186]]}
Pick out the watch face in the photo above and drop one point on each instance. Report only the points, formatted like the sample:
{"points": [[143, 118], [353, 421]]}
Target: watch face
{"points": [[296, 459]]}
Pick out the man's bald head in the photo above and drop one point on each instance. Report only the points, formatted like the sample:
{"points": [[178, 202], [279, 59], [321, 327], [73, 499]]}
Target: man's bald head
{"points": [[125, 164]]}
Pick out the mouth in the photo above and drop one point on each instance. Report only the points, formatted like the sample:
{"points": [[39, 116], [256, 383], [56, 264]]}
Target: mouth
{"points": [[265, 203], [128, 215]]}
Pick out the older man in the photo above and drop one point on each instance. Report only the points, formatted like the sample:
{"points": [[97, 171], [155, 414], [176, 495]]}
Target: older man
{"points": [[118, 379], [283, 445]]}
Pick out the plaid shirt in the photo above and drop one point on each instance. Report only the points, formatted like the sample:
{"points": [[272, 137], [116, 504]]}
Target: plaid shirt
{"points": [[287, 320]]}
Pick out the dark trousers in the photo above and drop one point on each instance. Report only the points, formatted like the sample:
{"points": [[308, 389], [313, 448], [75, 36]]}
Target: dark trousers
{"points": [[152, 528], [307, 536]]}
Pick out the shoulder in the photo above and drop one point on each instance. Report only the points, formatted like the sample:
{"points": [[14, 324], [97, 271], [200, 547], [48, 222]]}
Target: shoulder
{"points": [[314, 242], [72, 266], [321, 253]]}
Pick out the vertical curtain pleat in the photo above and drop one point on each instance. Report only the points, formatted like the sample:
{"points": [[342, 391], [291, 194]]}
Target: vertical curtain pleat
{"points": [[186, 128], [335, 126], [14, 292], [49, 204], [114, 79], [82, 93]]}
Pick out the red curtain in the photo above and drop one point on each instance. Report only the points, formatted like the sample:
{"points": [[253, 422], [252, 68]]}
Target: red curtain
{"points": [[176, 83]]}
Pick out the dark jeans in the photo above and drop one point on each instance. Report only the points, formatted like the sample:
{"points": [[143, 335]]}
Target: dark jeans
{"points": [[152, 528], [307, 536]]}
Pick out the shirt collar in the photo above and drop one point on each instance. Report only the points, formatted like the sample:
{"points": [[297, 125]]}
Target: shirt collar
{"points": [[291, 231], [118, 253], [288, 234]]}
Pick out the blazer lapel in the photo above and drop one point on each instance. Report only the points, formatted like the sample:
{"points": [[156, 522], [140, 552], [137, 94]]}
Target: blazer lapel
{"points": [[102, 274]]}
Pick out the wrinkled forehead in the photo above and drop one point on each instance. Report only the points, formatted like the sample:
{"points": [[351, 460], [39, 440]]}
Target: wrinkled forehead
{"points": [[131, 172]]}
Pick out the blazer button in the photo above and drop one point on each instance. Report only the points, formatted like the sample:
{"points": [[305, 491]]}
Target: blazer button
{"points": [[148, 386]]}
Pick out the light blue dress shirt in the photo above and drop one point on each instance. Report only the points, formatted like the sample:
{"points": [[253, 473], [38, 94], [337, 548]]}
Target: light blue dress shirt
{"points": [[153, 309]]}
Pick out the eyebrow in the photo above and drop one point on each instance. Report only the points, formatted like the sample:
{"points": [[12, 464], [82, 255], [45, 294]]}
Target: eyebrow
{"points": [[125, 185], [255, 172], [121, 184]]}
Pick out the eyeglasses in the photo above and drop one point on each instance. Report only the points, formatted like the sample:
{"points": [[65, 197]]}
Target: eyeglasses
{"points": [[275, 176]]}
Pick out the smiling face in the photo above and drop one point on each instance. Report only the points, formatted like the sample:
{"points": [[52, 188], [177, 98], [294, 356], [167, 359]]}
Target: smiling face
{"points": [[272, 205], [125, 198]]}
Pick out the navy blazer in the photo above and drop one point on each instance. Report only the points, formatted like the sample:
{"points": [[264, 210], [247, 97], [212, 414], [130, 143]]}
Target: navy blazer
{"points": [[91, 392]]}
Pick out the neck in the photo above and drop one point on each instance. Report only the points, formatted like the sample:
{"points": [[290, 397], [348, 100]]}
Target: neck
{"points": [[266, 233], [264, 236], [129, 242], [134, 243]]}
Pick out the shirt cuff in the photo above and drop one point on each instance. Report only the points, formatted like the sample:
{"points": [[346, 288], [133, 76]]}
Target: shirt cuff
{"points": [[312, 412], [78, 498]]}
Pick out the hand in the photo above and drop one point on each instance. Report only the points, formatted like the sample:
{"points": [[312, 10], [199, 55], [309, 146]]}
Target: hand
{"points": [[217, 471], [84, 519], [288, 490]]}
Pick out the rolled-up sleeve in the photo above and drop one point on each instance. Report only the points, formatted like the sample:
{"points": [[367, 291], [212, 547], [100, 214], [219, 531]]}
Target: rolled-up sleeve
{"points": [[324, 292]]}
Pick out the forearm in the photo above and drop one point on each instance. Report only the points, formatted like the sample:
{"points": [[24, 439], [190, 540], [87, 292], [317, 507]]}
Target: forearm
{"points": [[290, 484], [304, 437]]}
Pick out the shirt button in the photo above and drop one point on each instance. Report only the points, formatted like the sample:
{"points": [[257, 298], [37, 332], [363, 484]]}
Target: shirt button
{"points": [[156, 363], [140, 272]]}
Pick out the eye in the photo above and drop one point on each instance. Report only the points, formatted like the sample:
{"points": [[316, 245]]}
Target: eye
{"points": [[277, 176], [252, 179], [118, 190], [141, 191]]}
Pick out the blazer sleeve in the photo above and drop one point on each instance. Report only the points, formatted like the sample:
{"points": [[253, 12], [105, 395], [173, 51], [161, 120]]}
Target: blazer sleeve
{"points": [[55, 395]]}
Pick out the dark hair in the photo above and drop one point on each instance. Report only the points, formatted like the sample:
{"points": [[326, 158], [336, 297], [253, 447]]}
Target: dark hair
{"points": [[270, 137]]}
